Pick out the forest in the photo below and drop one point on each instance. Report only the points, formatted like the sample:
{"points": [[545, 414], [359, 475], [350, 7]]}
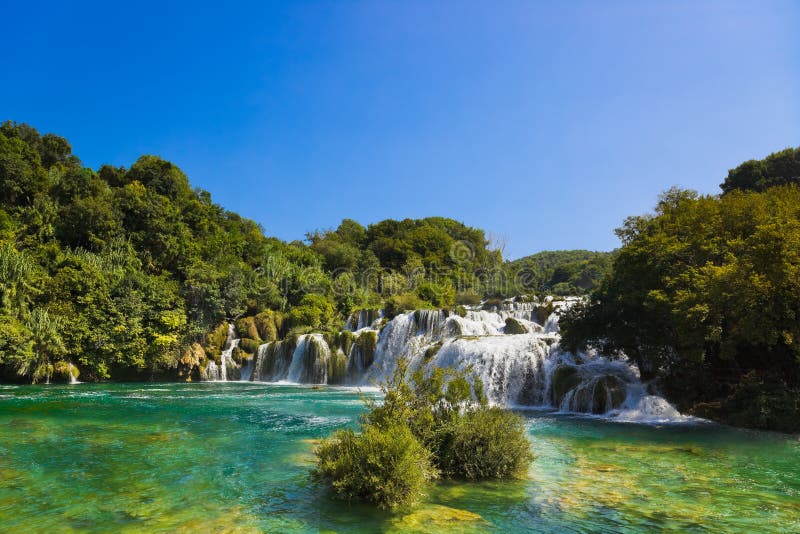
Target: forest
{"points": [[704, 295], [132, 274]]}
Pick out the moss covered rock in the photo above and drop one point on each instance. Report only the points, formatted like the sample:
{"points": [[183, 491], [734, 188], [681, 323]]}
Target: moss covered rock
{"points": [[431, 351], [337, 367], [435, 517], [192, 362], [249, 346], [565, 377], [269, 324], [514, 327], [215, 341], [246, 328]]}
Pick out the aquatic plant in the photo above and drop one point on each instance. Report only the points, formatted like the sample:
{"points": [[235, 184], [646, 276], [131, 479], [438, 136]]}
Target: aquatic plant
{"points": [[443, 420]]}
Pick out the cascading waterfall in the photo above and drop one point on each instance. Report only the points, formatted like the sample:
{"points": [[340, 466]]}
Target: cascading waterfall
{"points": [[227, 369], [72, 378], [516, 369], [362, 319]]}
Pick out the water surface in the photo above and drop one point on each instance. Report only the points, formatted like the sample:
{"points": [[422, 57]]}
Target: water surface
{"points": [[235, 457]]}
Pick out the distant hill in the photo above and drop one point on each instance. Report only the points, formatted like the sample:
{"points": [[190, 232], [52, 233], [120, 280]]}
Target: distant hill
{"points": [[563, 272]]}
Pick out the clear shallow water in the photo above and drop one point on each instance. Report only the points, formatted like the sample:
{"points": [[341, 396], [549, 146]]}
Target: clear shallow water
{"points": [[234, 457]]}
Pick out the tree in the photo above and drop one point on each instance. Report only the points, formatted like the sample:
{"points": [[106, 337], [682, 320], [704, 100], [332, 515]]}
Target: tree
{"points": [[779, 168]]}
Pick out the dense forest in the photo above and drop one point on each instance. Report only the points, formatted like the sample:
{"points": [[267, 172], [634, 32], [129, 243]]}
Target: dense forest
{"points": [[131, 274], [563, 272], [704, 295]]}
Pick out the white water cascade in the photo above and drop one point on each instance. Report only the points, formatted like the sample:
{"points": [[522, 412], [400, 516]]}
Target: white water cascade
{"points": [[227, 369], [526, 368]]}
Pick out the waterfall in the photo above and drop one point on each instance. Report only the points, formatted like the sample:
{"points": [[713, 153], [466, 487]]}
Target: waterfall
{"points": [[305, 360], [516, 369], [310, 361], [362, 319], [228, 369], [72, 372]]}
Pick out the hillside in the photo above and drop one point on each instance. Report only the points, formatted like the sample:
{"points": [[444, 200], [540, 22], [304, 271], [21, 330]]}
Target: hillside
{"points": [[563, 272]]}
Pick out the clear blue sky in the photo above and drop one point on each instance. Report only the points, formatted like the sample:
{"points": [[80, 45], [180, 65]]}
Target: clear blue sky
{"points": [[546, 122]]}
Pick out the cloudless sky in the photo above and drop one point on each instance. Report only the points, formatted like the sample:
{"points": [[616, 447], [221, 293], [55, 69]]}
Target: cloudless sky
{"points": [[544, 122]]}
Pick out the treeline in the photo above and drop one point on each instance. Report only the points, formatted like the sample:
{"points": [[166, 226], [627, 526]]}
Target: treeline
{"points": [[704, 296], [131, 274], [562, 272], [119, 271]]}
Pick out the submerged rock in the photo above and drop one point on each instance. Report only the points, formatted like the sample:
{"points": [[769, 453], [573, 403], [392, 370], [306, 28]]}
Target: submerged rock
{"points": [[437, 518]]}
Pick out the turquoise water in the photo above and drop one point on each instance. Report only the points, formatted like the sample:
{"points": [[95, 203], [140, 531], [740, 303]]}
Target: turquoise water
{"points": [[235, 457]]}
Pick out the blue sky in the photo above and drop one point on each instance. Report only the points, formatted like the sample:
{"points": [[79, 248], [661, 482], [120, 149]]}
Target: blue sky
{"points": [[544, 122]]}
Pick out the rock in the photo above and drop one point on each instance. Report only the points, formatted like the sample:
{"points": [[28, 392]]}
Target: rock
{"points": [[437, 518], [565, 377], [514, 327]]}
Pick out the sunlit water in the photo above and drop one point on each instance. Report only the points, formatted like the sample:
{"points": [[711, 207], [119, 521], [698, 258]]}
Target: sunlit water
{"points": [[231, 457]]}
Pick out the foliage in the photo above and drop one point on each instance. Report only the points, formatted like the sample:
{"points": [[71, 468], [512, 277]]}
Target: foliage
{"points": [[132, 267], [398, 304], [129, 266], [560, 272], [439, 295], [386, 466], [702, 294], [779, 168], [444, 418], [486, 443], [315, 311]]}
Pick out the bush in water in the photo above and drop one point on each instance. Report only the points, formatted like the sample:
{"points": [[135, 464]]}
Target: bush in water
{"points": [[445, 427], [385, 466]]}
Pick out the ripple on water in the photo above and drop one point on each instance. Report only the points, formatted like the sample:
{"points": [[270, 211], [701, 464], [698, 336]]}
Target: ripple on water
{"points": [[228, 457]]}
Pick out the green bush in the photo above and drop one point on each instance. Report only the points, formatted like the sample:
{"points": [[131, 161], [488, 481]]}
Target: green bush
{"points": [[427, 422], [440, 295], [487, 443], [314, 311], [468, 298], [398, 304], [385, 466]]}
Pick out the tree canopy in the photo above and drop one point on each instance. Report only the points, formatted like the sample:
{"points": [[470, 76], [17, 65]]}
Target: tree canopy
{"points": [[779, 168], [703, 296], [131, 273]]}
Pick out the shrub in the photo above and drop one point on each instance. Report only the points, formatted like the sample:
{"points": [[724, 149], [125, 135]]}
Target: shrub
{"points": [[440, 295], [398, 304], [461, 311], [468, 298], [385, 466], [427, 422], [314, 311], [486, 443]]}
